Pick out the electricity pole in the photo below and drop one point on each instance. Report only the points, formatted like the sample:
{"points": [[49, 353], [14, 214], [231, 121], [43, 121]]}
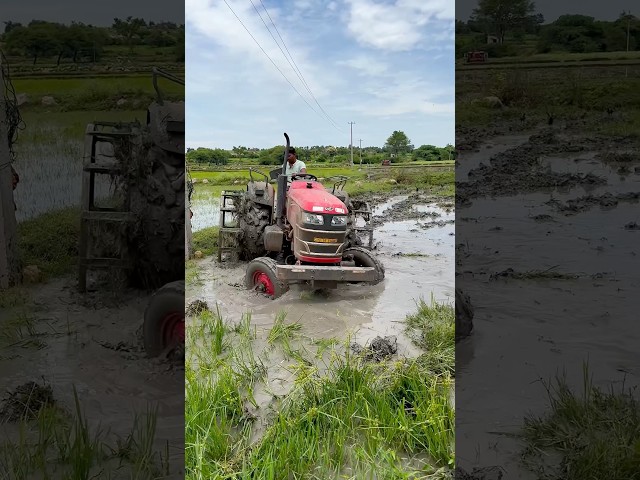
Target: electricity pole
{"points": [[360, 152], [628, 28], [351, 144], [9, 267]]}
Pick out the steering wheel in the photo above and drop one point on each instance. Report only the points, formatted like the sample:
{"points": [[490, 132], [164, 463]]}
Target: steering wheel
{"points": [[303, 176]]}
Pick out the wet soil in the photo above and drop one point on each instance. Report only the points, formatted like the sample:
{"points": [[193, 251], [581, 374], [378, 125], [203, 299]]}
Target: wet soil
{"points": [[547, 251], [58, 339], [378, 349], [25, 401]]}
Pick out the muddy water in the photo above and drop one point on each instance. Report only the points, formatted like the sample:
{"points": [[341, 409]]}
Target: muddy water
{"points": [[93, 343], [364, 311], [474, 160], [557, 323], [205, 206]]}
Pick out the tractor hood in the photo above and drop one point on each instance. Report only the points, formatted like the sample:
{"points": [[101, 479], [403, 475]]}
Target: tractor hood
{"points": [[312, 197]]}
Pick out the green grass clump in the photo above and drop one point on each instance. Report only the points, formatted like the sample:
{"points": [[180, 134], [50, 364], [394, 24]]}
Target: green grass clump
{"points": [[206, 240], [432, 328], [588, 434], [343, 417], [61, 444], [50, 241]]}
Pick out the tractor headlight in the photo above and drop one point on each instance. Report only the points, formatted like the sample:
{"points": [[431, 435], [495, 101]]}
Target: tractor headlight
{"points": [[339, 220], [313, 218]]}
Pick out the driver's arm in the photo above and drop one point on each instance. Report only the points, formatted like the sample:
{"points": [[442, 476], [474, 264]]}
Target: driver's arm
{"points": [[303, 170]]}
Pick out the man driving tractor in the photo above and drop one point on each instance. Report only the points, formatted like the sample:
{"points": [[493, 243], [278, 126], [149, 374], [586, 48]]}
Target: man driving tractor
{"points": [[294, 165]]}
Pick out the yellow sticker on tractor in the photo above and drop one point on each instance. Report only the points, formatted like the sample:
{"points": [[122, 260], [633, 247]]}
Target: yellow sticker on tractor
{"points": [[325, 240]]}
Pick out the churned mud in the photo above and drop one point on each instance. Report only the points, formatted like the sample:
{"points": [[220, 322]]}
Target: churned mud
{"points": [[419, 262], [55, 340], [533, 206]]}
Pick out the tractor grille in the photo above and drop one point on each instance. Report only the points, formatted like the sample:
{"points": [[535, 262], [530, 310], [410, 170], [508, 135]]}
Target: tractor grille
{"points": [[319, 243]]}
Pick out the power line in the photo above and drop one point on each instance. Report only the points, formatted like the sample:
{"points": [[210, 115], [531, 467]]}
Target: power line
{"points": [[295, 68], [274, 64]]}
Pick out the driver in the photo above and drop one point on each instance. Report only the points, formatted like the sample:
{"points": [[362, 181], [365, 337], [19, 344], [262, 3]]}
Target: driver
{"points": [[294, 165]]}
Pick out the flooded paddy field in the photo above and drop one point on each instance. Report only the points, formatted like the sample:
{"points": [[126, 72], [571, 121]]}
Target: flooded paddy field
{"points": [[302, 340], [548, 218]]}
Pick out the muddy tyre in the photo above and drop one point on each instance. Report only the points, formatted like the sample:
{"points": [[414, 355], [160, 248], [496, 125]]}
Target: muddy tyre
{"points": [[352, 238], [252, 220], [261, 276], [164, 319], [364, 258]]}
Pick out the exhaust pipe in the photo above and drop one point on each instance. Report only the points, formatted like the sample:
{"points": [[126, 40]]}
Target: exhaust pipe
{"points": [[282, 187]]}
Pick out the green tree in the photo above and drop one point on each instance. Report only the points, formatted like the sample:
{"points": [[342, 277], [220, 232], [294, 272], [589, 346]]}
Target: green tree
{"points": [[39, 39], [8, 26], [130, 29], [398, 142], [503, 15], [428, 153], [208, 155]]}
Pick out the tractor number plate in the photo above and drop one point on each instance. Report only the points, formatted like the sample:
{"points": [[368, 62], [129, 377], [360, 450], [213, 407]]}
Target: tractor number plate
{"points": [[325, 240]]}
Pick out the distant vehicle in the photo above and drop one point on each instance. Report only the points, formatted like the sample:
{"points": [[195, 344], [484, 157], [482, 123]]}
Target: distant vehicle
{"points": [[386, 162], [476, 57]]}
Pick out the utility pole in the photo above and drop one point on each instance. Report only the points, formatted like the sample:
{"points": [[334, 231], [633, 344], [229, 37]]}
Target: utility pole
{"points": [[628, 28], [351, 144], [9, 266], [360, 140]]}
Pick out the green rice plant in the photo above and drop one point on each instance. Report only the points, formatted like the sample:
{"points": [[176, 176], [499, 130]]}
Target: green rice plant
{"points": [[281, 332], [343, 417], [432, 328], [137, 447], [594, 433]]}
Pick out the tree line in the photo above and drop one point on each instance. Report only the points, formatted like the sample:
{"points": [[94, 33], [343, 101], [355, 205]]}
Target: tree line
{"points": [[81, 42], [512, 21], [397, 148]]}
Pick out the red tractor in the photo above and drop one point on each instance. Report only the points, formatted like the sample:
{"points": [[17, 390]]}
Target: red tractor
{"points": [[476, 57], [301, 232]]}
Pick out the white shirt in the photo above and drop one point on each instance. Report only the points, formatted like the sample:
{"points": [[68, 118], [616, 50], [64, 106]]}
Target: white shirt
{"points": [[295, 168]]}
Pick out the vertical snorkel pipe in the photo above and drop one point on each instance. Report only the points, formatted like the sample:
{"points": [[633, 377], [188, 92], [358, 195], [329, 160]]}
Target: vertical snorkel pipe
{"points": [[282, 187]]}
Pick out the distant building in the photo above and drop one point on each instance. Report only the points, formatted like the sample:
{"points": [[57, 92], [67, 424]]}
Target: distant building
{"points": [[492, 40]]}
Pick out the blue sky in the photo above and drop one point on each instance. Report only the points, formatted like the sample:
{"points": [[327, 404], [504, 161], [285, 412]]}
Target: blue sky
{"points": [[384, 64]]}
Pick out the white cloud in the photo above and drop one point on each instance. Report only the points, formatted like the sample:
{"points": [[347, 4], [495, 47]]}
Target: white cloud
{"points": [[216, 22], [235, 96], [399, 26], [366, 64]]}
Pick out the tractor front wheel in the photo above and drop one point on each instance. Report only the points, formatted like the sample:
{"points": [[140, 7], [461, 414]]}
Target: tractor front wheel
{"points": [[364, 258], [164, 319], [261, 276]]}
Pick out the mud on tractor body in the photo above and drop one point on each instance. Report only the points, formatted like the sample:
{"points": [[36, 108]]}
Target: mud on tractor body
{"points": [[145, 218], [300, 232]]}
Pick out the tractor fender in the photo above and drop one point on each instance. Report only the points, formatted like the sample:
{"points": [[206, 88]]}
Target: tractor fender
{"points": [[261, 193]]}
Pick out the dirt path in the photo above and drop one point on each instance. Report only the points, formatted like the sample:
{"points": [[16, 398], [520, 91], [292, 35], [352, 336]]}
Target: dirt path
{"points": [[574, 296], [63, 339]]}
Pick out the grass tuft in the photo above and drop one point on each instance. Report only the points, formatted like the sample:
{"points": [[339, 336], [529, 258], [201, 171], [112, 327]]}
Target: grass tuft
{"points": [[50, 241], [432, 328], [588, 434]]}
